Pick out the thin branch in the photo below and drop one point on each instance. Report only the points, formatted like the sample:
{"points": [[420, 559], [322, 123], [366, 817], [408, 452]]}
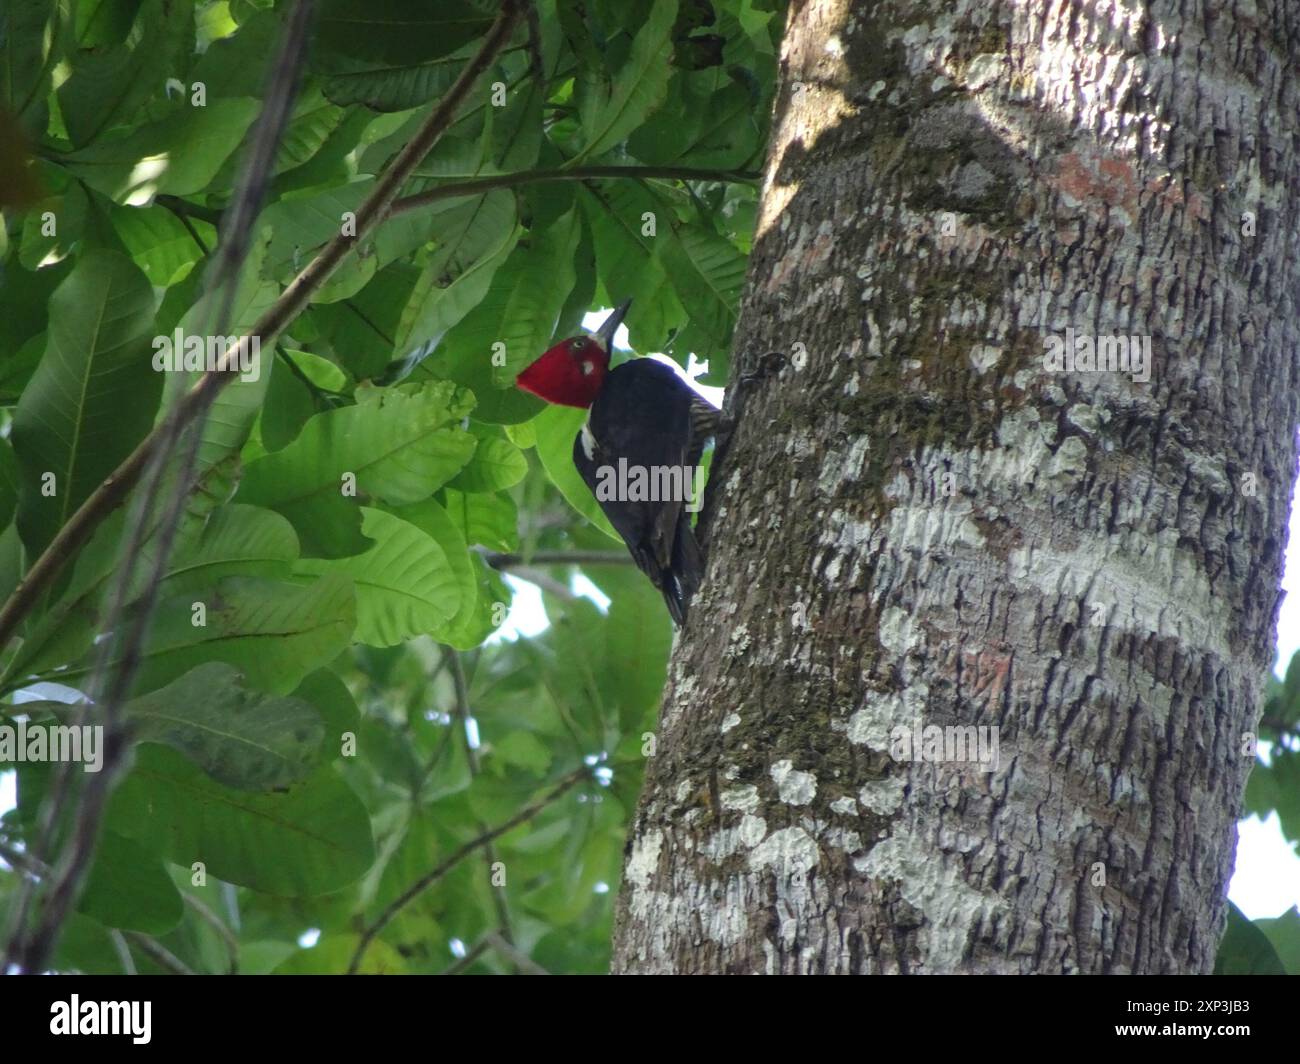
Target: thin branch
{"points": [[158, 953], [111, 493], [545, 582], [501, 562], [217, 924], [511, 953], [183, 208], [576, 173], [429, 879]]}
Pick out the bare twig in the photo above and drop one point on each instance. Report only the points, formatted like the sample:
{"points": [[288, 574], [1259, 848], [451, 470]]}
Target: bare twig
{"points": [[158, 953], [480, 185], [512, 953], [430, 878], [544, 581], [218, 925], [557, 557]]}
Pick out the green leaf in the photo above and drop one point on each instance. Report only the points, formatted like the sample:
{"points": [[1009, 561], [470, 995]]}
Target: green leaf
{"points": [[473, 239], [1245, 949], [129, 888], [557, 427], [620, 215], [394, 444], [108, 85], [179, 155], [274, 633], [637, 89], [489, 520], [546, 276], [27, 53], [9, 477], [473, 620], [398, 32], [238, 736], [313, 839], [515, 131], [497, 464], [93, 395], [331, 698], [706, 122], [405, 586], [159, 242], [707, 273], [1283, 933], [237, 540], [395, 88]]}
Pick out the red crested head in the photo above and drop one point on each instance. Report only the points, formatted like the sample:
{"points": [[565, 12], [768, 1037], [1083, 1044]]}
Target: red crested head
{"points": [[573, 371]]}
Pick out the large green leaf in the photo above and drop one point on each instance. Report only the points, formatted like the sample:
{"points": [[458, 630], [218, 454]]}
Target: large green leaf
{"points": [[64, 633], [398, 32], [497, 464], [310, 840], [557, 427], [274, 633], [178, 155], [405, 585], [473, 620], [383, 87], [707, 121], [473, 239], [637, 89], [93, 396], [626, 224], [707, 273], [545, 278], [159, 242], [238, 736], [395, 444], [108, 85], [26, 53], [238, 540], [128, 887]]}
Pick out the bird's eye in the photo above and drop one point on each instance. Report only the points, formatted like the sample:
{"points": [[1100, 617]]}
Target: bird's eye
{"points": [[579, 343]]}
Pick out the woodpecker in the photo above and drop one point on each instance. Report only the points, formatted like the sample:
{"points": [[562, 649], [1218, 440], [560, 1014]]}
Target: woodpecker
{"points": [[641, 416]]}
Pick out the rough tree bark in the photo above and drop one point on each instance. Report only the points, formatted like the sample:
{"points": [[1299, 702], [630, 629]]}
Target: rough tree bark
{"points": [[922, 523]]}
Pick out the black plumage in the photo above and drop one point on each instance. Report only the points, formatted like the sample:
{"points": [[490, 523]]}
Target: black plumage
{"points": [[648, 416]]}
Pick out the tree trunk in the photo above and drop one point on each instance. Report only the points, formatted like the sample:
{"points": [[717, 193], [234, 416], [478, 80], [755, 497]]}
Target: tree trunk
{"points": [[922, 521]]}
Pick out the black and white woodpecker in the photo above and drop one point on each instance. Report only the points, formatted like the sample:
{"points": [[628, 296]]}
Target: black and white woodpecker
{"points": [[644, 418]]}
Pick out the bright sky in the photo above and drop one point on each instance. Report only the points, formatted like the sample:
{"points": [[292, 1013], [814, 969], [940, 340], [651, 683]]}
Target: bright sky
{"points": [[1266, 881]]}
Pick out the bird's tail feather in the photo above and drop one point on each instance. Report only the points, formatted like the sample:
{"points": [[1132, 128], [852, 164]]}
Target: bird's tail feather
{"points": [[686, 569]]}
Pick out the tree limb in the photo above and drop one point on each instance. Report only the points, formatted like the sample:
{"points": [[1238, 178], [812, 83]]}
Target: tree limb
{"points": [[479, 185]]}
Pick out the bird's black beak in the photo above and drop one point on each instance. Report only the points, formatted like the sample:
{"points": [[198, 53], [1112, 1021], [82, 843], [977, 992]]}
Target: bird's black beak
{"points": [[610, 325]]}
